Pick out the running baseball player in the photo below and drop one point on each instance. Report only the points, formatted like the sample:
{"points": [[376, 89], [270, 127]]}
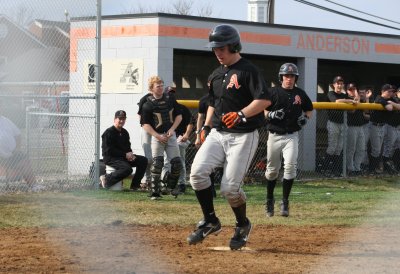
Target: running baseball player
{"points": [[238, 96], [288, 113]]}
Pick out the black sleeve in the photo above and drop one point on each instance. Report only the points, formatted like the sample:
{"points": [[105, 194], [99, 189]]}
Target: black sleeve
{"points": [[203, 104], [331, 96], [141, 103], [177, 109], [147, 114], [273, 96], [380, 100], [307, 104]]}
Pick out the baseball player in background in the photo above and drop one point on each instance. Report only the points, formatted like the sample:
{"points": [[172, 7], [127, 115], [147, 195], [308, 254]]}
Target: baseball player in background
{"points": [[161, 116], [238, 96], [288, 113]]}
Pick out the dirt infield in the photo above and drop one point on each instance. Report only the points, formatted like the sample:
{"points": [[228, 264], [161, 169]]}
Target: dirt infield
{"points": [[119, 248]]}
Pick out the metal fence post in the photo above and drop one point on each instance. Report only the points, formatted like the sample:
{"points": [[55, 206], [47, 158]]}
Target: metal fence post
{"points": [[98, 91], [345, 128]]}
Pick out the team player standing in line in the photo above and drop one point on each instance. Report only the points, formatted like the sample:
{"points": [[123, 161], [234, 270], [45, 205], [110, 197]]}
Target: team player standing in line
{"points": [[288, 113], [238, 96]]}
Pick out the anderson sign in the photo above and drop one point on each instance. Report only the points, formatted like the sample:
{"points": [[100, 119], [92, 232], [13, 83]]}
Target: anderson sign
{"points": [[333, 43]]}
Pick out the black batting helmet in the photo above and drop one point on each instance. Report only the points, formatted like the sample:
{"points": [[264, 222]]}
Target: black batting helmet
{"points": [[288, 69], [222, 35]]}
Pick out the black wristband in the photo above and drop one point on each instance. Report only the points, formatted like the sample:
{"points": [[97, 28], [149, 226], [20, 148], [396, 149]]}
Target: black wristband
{"points": [[242, 117]]}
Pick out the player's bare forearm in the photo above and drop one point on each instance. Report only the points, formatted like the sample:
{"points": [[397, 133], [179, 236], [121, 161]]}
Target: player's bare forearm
{"points": [[200, 121], [150, 130], [256, 107], [177, 121]]}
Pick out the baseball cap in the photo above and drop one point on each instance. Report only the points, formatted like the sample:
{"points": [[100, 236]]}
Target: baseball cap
{"points": [[120, 114], [337, 79], [351, 86], [388, 87]]}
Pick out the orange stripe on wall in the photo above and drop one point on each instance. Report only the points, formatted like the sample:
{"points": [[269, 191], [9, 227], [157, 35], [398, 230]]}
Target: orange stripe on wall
{"points": [[260, 38], [164, 30], [387, 48]]}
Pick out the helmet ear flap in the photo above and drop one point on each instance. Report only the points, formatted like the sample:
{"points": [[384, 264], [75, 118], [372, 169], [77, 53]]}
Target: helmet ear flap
{"points": [[235, 48]]}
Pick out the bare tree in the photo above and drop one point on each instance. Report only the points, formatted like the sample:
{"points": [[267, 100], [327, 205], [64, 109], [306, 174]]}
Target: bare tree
{"points": [[143, 9], [182, 7], [205, 11], [22, 15]]}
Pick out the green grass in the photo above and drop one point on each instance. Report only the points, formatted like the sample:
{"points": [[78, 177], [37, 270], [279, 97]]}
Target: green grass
{"points": [[342, 203]]}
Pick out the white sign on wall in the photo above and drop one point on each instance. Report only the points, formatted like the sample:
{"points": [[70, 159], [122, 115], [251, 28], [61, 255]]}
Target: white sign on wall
{"points": [[118, 76]]}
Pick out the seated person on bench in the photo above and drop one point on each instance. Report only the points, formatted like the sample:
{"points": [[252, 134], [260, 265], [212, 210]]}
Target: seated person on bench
{"points": [[117, 153]]}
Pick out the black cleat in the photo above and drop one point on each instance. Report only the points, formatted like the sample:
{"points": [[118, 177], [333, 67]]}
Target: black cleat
{"points": [[285, 208], [203, 230], [241, 236], [155, 196], [269, 207]]}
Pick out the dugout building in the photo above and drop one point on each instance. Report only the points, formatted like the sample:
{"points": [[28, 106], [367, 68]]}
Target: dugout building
{"points": [[135, 47]]}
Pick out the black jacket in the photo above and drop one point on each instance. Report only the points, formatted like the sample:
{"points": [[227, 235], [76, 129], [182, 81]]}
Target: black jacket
{"points": [[115, 144]]}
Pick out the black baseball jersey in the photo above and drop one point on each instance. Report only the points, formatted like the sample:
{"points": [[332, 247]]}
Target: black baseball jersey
{"points": [[160, 113], [395, 114], [187, 118], [203, 104], [356, 118], [233, 88], [115, 144], [293, 102], [140, 105], [379, 116], [336, 115]]}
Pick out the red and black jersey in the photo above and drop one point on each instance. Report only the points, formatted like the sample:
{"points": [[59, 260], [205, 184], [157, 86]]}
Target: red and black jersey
{"points": [[233, 88], [293, 102]]}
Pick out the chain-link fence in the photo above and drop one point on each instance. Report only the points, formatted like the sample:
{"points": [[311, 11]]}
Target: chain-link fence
{"points": [[48, 109], [46, 118], [353, 137]]}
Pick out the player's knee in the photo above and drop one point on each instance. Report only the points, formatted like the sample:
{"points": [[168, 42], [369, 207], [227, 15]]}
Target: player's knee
{"points": [[126, 171], [234, 196], [271, 174], [290, 170], [199, 182], [158, 163], [176, 166]]}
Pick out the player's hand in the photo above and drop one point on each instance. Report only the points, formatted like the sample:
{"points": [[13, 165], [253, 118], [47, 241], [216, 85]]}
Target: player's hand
{"points": [[170, 133], [302, 120], [276, 114], [205, 130], [129, 156], [162, 138], [233, 118]]}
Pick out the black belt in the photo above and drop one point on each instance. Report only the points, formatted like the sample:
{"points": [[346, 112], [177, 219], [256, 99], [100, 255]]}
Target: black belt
{"points": [[378, 124], [282, 133]]}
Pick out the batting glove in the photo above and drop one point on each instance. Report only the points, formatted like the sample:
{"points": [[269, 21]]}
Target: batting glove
{"points": [[276, 114], [205, 130], [233, 118], [302, 120]]}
